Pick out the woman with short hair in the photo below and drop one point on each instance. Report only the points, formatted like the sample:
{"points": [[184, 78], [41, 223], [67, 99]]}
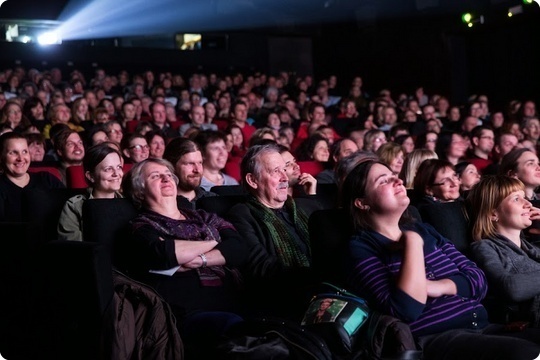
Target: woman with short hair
{"points": [[103, 172], [500, 212]]}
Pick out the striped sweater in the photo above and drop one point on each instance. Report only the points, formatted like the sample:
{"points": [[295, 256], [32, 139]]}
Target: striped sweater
{"points": [[374, 264]]}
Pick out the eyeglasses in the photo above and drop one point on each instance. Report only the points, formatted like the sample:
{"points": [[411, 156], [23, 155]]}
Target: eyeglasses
{"points": [[139, 147], [454, 179]]}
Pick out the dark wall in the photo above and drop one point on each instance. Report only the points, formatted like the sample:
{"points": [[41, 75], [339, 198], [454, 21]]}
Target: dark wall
{"points": [[231, 52], [498, 59]]}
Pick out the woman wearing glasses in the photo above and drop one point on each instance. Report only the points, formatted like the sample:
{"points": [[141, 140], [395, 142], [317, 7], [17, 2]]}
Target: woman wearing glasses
{"points": [[436, 189], [135, 148]]}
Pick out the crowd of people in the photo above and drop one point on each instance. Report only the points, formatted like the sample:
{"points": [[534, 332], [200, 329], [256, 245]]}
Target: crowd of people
{"points": [[441, 196]]}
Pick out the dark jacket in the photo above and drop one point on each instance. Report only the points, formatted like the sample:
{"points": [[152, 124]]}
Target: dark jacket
{"points": [[141, 324]]}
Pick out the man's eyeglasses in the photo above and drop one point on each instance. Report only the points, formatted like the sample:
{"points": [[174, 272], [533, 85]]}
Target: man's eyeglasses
{"points": [[454, 179]]}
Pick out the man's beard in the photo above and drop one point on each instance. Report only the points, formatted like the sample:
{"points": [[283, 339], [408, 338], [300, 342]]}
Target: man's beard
{"points": [[191, 183]]}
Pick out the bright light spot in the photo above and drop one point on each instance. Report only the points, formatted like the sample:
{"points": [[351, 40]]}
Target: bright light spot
{"points": [[509, 14], [467, 17], [469, 24], [527, 1], [49, 38], [26, 39]]}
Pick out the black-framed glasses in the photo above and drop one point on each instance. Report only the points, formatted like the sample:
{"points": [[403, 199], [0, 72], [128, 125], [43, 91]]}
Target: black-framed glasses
{"points": [[448, 180]]}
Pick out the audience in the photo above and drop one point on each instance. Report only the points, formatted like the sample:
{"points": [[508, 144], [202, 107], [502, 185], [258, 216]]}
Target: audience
{"points": [[148, 114]]}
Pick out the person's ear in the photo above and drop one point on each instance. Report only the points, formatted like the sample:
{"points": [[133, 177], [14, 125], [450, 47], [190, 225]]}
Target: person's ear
{"points": [[475, 141], [494, 215], [360, 204], [512, 174], [89, 176], [126, 153], [429, 190], [251, 181]]}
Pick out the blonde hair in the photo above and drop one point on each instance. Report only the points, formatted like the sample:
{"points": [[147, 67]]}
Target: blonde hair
{"points": [[484, 198], [388, 152], [412, 163]]}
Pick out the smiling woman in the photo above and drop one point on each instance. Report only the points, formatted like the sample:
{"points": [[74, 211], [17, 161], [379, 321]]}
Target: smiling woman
{"points": [[188, 256], [14, 161], [103, 172], [511, 263]]}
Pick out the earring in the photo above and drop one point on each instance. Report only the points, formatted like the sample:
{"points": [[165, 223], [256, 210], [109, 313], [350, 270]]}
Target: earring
{"points": [[366, 207], [496, 219]]}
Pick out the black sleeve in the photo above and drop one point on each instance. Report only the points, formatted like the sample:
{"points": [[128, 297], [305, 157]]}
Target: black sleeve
{"points": [[233, 248], [151, 250]]}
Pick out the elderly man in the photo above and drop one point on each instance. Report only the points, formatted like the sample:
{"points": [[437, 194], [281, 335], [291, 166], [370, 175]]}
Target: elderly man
{"points": [[275, 230], [187, 160]]}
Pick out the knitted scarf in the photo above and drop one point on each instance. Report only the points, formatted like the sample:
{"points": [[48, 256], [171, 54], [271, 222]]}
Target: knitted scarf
{"points": [[287, 249]]}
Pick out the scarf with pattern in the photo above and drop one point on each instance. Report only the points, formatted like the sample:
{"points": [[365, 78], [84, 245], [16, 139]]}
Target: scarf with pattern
{"points": [[288, 251]]}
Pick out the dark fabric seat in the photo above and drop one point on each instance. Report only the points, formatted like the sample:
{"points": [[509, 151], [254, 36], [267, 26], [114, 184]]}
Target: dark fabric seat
{"points": [[56, 294], [106, 221], [220, 205], [329, 231], [43, 208], [228, 190], [449, 219]]}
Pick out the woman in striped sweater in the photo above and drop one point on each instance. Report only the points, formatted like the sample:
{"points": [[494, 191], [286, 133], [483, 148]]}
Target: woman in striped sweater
{"points": [[411, 272]]}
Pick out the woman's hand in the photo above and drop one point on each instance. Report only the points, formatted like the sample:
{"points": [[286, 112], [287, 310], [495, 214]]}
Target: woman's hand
{"points": [[535, 213], [187, 251], [438, 288]]}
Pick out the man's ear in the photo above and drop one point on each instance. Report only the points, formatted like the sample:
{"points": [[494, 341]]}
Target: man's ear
{"points": [[126, 153], [251, 181], [429, 190], [360, 204], [59, 153], [475, 141]]}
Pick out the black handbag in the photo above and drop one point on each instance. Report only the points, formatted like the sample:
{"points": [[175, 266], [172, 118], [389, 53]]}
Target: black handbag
{"points": [[337, 316]]}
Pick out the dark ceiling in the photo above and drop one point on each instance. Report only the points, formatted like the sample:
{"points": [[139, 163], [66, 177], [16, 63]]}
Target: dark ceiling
{"points": [[243, 14]]}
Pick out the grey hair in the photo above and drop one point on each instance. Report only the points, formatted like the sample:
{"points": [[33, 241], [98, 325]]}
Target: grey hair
{"points": [[251, 163], [136, 179]]}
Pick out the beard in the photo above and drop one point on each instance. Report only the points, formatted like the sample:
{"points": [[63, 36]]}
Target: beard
{"points": [[190, 183]]}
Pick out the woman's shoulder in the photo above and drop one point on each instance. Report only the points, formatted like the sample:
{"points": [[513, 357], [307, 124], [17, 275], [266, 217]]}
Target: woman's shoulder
{"points": [[77, 200], [229, 180]]}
